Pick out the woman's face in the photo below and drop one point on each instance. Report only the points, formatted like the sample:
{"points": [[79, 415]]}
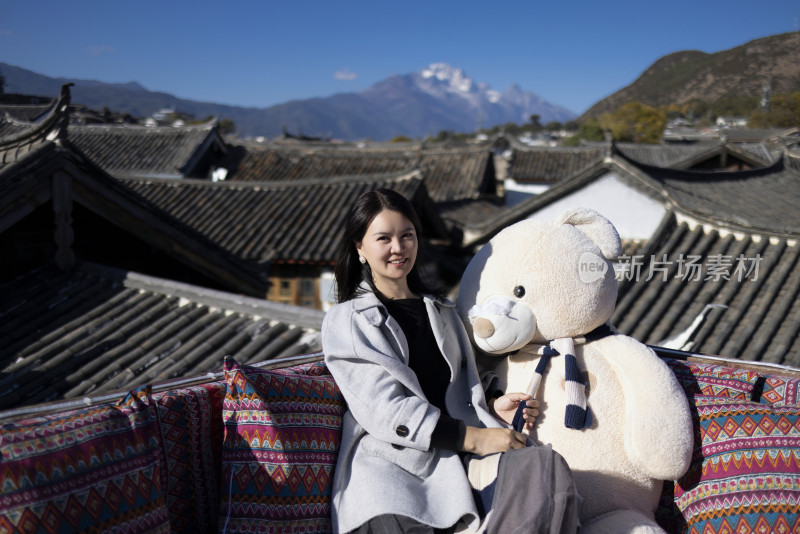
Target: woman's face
{"points": [[390, 247]]}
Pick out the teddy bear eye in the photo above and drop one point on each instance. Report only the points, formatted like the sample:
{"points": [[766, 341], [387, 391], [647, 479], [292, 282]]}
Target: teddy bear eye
{"points": [[519, 292]]}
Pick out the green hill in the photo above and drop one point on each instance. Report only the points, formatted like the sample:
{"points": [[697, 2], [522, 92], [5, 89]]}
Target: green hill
{"points": [[742, 71]]}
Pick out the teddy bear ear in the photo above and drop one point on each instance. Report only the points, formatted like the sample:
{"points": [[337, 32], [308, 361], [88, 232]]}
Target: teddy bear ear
{"points": [[598, 228]]}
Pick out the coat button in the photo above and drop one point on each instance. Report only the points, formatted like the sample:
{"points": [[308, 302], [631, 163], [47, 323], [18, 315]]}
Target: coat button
{"points": [[402, 431]]}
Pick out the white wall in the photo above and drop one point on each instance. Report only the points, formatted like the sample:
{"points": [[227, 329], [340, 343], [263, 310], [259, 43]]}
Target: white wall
{"points": [[327, 290], [516, 193], [634, 214]]}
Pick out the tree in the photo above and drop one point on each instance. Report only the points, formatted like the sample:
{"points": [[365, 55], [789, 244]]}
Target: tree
{"points": [[591, 130], [226, 126], [572, 126], [553, 126], [783, 112], [535, 124], [2, 83], [444, 135], [635, 122]]}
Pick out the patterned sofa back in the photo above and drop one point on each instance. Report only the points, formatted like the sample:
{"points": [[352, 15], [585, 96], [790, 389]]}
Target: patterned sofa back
{"points": [[255, 452]]}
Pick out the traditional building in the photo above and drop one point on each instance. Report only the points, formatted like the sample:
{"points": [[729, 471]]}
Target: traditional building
{"points": [[288, 230], [158, 152], [531, 171], [711, 258], [722, 273], [72, 327], [93, 330], [452, 174]]}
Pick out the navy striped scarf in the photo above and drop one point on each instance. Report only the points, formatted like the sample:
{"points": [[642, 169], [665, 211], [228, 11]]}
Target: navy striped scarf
{"points": [[578, 415]]}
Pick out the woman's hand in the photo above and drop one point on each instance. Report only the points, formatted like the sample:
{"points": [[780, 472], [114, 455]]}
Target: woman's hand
{"points": [[505, 407], [483, 441]]}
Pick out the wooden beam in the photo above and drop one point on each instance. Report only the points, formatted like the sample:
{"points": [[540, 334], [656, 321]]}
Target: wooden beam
{"points": [[62, 208]]}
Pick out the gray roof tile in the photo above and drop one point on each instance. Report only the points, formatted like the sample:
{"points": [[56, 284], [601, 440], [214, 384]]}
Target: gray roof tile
{"points": [[547, 165], [762, 318], [759, 200], [451, 174], [96, 329], [132, 150], [294, 221]]}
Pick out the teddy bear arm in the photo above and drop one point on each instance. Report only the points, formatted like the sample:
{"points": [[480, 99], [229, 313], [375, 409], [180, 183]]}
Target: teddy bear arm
{"points": [[658, 428]]}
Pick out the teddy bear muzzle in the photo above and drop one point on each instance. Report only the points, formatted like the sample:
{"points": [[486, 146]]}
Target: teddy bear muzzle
{"points": [[501, 325], [483, 327]]}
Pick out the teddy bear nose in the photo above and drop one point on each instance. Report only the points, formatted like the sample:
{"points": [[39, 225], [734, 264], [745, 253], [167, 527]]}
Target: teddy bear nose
{"points": [[483, 328]]}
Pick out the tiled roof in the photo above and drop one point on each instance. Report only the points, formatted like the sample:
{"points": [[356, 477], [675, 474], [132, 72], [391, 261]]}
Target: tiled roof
{"points": [[665, 155], [28, 183], [765, 200], [550, 164], [792, 159], [760, 151], [128, 150], [762, 318], [25, 113], [458, 174], [96, 329], [18, 118], [755, 135], [480, 231], [467, 213], [451, 173], [279, 164], [687, 155], [24, 185], [18, 138], [297, 221]]}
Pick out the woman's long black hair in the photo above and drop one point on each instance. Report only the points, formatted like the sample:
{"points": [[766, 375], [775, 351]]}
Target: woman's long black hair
{"points": [[349, 271]]}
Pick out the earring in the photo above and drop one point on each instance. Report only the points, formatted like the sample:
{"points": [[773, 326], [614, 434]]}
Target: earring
{"points": [[362, 259]]}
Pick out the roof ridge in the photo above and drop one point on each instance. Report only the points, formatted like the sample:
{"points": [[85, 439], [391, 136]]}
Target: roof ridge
{"points": [[404, 175], [296, 315], [208, 125]]}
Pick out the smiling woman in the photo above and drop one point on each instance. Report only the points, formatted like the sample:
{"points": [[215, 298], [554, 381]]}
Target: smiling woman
{"points": [[389, 248], [417, 411], [382, 227]]}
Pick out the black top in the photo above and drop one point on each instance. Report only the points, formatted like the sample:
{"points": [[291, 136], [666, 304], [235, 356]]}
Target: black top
{"points": [[428, 363]]}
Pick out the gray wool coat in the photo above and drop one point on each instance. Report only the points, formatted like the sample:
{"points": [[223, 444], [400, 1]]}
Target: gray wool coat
{"points": [[385, 463]]}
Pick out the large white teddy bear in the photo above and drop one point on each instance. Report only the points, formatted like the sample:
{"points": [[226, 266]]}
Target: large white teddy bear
{"points": [[540, 293]]}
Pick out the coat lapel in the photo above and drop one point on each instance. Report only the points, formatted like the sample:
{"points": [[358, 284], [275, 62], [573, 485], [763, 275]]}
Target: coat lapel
{"points": [[445, 337], [375, 312], [372, 308]]}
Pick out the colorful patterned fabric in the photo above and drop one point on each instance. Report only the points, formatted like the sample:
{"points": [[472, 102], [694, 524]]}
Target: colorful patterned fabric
{"points": [[95, 469], [282, 436], [190, 431], [779, 390], [745, 474], [716, 380]]}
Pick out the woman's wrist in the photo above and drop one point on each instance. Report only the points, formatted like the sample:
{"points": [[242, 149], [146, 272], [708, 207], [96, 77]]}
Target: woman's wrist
{"points": [[468, 443]]}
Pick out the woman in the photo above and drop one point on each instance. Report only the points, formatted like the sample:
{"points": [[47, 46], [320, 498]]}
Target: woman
{"points": [[416, 408]]}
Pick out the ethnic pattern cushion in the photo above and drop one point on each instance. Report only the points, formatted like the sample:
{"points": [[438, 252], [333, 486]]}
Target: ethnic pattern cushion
{"points": [[93, 469], [779, 390], [282, 435], [745, 473], [717, 380], [190, 431]]}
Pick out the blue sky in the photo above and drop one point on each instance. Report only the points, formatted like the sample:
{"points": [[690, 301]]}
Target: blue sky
{"points": [[261, 53]]}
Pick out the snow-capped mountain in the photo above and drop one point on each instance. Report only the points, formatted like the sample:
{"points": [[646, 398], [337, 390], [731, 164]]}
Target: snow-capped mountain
{"points": [[438, 97], [442, 97]]}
